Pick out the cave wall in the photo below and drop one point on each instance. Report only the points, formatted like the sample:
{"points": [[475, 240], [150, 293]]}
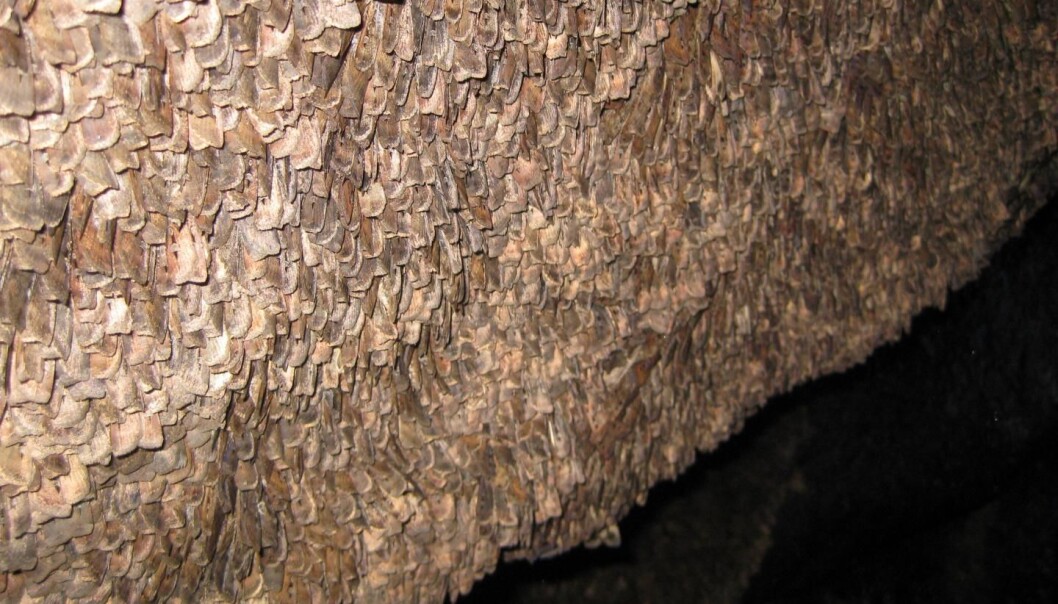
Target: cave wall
{"points": [[924, 474], [341, 300]]}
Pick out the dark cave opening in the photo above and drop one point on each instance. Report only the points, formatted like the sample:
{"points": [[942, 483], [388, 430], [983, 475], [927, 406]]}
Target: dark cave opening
{"points": [[925, 474]]}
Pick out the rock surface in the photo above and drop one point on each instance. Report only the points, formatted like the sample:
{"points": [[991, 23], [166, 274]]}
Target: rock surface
{"points": [[334, 300]]}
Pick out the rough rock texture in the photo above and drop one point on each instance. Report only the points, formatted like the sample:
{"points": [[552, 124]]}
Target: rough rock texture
{"points": [[339, 300]]}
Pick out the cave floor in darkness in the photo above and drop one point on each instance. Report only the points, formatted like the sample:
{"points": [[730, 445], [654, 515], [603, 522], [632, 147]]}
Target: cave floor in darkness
{"points": [[927, 474]]}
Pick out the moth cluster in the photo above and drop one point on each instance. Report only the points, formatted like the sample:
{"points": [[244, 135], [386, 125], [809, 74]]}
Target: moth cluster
{"points": [[340, 301]]}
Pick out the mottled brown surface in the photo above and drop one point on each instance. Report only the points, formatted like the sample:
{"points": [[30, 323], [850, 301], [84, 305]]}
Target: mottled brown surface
{"points": [[924, 475], [340, 302]]}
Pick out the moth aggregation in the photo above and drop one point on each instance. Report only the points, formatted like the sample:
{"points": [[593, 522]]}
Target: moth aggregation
{"points": [[341, 301]]}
